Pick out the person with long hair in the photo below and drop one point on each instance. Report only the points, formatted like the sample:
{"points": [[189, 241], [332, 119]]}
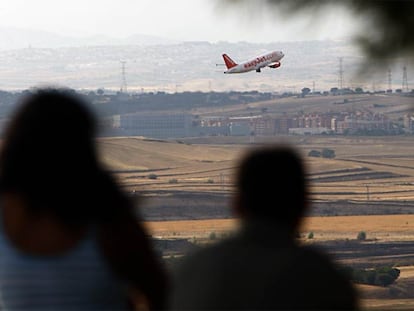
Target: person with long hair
{"points": [[70, 238]]}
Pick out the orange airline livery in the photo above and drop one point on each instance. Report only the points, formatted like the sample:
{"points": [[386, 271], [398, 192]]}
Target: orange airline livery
{"points": [[270, 59]]}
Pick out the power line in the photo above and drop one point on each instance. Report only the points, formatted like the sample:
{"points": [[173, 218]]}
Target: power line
{"points": [[123, 81], [389, 80], [341, 73], [405, 80]]}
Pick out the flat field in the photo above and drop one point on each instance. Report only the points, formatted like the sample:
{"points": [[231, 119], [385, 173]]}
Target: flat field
{"points": [[377, 227], [390, 241], [186, 185], [365, 169]]}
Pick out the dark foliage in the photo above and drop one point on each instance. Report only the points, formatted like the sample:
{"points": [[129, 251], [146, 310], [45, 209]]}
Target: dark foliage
{"points": [[388, 32], [382, 276]]}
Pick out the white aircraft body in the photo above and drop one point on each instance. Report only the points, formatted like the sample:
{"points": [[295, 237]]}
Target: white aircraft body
{"points": [[270, 59]]}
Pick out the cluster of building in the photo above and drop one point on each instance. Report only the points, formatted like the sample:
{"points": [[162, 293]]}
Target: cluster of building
{"points": [[308, 124], [409, 123], [175, 125]]}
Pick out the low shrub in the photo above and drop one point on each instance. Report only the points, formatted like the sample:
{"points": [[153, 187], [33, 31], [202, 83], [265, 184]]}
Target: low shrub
{"points": [[382, 276], [152, 176], [362, 236]]}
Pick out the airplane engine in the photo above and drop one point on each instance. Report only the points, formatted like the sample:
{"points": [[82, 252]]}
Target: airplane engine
{"points": [[277, 65]]}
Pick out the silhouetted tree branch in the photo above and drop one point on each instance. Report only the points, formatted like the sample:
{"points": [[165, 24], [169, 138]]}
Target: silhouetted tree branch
{"points": [[389, 31]]}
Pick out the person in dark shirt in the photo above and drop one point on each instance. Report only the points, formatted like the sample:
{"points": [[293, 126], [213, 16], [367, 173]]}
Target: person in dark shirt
{"points": [[262, 267]]}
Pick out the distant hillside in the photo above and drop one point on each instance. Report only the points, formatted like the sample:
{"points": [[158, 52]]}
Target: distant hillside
{"points": [[156, 64], [17, 38]]}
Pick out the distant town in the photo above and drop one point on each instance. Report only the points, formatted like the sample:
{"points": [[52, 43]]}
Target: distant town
{"points": [[163, 115]]}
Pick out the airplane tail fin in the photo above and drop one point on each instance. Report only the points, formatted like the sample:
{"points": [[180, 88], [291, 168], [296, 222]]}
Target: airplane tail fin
{"points": [[229, 62]]}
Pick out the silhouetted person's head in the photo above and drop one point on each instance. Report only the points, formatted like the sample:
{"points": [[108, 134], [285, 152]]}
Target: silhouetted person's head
{"points": [[48, 156], [271, 186]]}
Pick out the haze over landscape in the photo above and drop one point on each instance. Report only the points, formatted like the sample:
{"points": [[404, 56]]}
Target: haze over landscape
{"points": [[33, 58], [176, 47], [179, 20]]}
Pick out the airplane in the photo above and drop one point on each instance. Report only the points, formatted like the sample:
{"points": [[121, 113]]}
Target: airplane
{"points": [[270, 59]]}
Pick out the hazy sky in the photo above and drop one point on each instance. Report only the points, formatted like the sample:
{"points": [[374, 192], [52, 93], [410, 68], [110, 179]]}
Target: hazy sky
{"points": [[174, 19]]}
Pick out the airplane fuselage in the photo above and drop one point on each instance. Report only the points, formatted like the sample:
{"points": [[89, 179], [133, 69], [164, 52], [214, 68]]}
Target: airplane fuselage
{"points": [[270, 59]]}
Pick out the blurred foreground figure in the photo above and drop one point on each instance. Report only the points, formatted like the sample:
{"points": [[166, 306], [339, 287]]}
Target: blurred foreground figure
{"points": [[69, 237], [263, 267]]}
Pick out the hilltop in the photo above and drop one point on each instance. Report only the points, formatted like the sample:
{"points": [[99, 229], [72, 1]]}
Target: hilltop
{"points": [[171, 66]]}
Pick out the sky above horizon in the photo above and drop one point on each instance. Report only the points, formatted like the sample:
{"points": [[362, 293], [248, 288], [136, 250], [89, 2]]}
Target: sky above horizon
{"points": [[182, 20]]}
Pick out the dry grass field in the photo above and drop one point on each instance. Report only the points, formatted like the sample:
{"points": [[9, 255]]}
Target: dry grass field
{"points": [[375, 169], [367, 170], [398, 296], [378, 227]]}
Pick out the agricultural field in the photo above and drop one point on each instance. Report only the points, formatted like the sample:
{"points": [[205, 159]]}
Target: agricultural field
{"points": [[185, 188], [364, 169], [389, 242]]}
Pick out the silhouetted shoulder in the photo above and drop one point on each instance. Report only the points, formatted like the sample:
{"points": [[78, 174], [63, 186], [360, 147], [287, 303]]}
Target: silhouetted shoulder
{"points": [[241, 274], [263, 267], [314, 281]]}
